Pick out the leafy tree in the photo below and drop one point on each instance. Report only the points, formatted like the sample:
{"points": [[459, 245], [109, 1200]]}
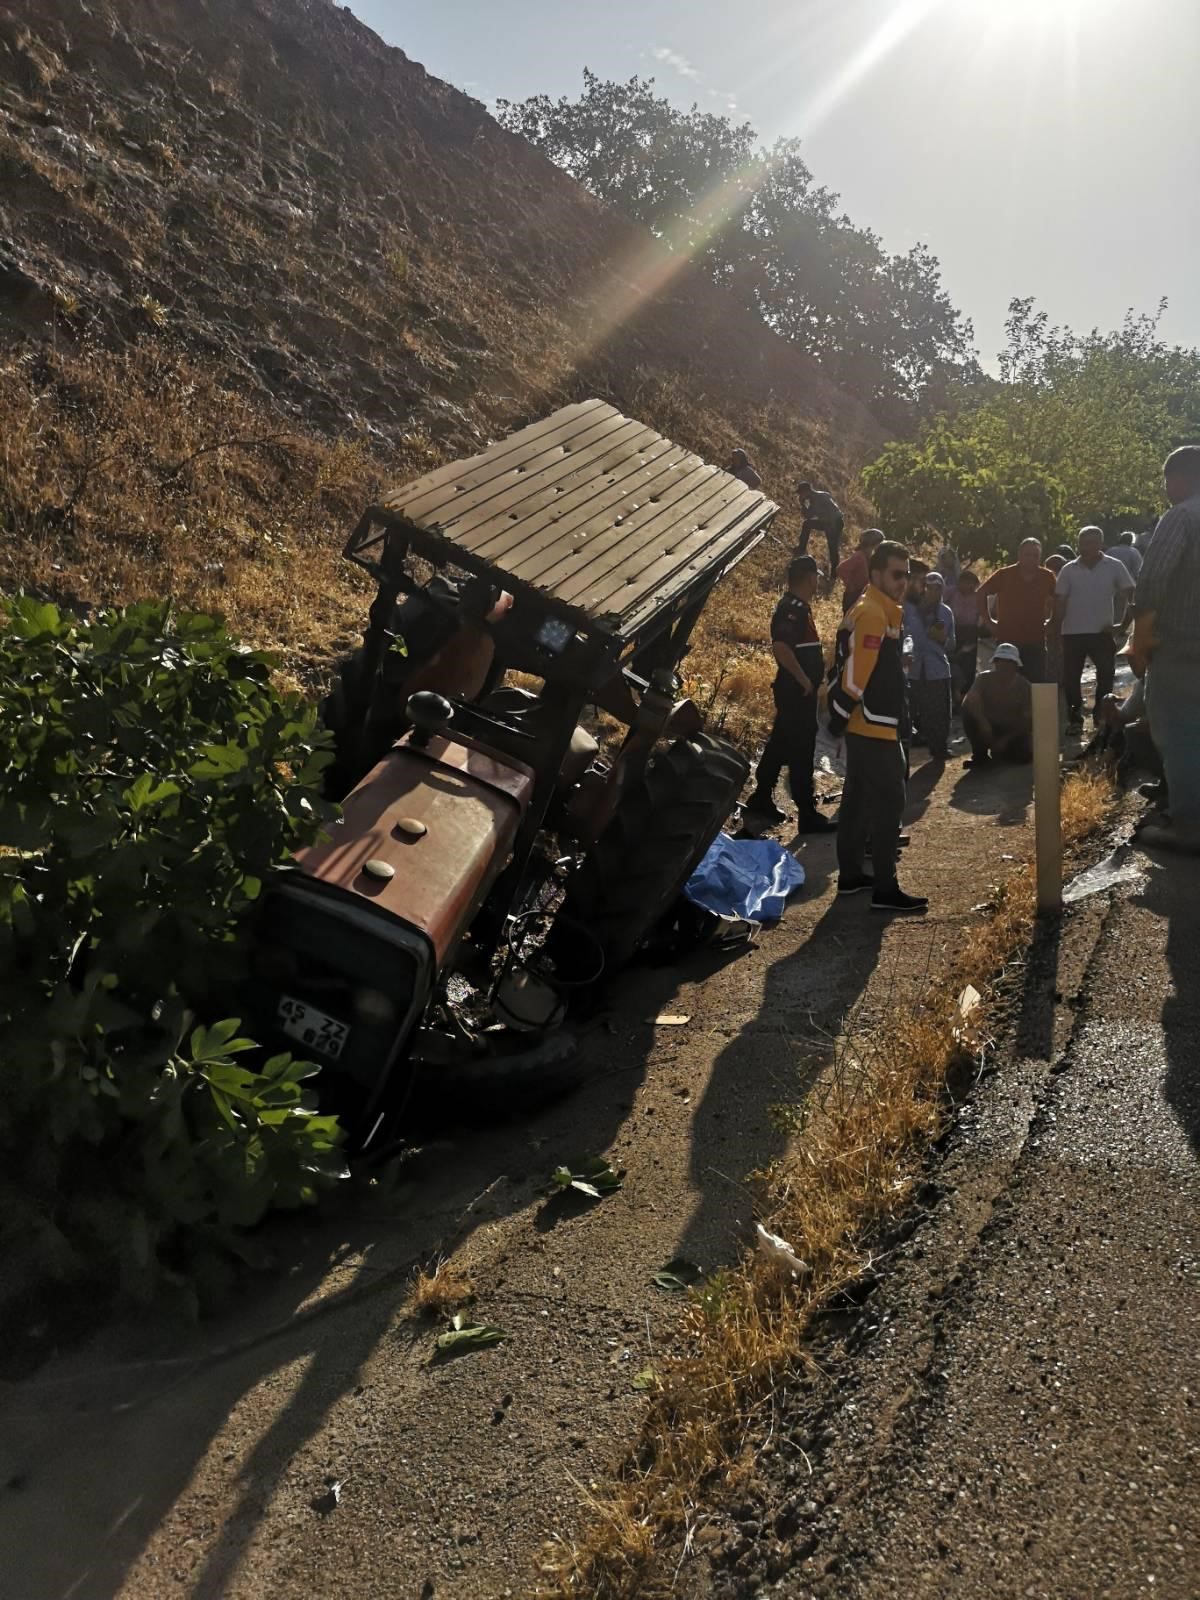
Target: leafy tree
{"points": [[1074, 431], [154, 781], [946, 485], [880, 324], [637, 153]]}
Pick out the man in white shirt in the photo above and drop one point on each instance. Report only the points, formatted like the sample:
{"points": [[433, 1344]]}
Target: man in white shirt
{"points": [[1087, 591], [1127, 553]]}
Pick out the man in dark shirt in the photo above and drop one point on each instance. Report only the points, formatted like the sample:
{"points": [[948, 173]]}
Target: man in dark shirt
{"points": [[793, 739], [820, 511], [739, 467]]}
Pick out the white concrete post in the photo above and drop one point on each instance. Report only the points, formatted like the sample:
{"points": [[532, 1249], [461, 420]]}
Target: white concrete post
{"points": [[1047, 799]]}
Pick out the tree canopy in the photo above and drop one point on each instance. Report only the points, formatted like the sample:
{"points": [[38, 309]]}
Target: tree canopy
{"points": [[1073, 431], [881, 325]]}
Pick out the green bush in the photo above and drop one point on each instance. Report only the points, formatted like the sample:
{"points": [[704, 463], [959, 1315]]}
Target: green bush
{"points": [[153, 780]]}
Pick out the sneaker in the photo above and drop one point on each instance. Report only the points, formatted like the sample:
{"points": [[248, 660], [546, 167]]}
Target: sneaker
{"points": [[757, 806], [976, 762], [814, 822], [895, 900], [855, 885]]}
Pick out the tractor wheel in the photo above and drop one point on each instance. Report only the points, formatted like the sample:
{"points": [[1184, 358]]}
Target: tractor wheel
{"points": [[634, 872], [485, 1090]]}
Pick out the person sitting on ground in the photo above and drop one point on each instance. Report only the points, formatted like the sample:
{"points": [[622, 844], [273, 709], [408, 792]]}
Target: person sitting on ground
{"points": [[1166, 645], [822, 512], [866, 705], [1127, 553], [854, 572], [1024, 596], [930, 622], [998, 712], [793, 740], [1088, 590], [739, 467], [965, 655]]}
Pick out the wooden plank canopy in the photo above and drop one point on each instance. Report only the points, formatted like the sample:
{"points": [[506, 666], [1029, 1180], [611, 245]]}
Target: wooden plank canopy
{"points": [[590, 509]]}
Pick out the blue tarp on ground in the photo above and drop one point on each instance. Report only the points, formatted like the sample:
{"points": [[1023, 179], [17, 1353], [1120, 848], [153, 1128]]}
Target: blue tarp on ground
{"points": [[747, 878]]}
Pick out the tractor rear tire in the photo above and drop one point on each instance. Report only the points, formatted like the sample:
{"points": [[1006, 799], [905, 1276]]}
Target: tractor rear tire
{"points": [[637, 868]]}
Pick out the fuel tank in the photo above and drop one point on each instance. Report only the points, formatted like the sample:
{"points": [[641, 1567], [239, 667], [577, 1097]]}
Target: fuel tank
{"points": [[425, 835]]}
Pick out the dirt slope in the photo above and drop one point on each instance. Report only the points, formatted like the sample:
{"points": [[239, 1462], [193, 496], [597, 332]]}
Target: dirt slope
{"points": [[261, 197]]}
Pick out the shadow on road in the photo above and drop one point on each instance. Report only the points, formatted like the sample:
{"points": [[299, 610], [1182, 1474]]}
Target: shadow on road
{"points": [[1039, 992], [1173, 893], [999, 790], [773, 1059]]}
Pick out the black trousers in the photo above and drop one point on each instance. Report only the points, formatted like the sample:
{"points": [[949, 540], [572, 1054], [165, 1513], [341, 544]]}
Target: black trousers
{"points": [[833, 536], [964, 664], [792, 744], [1077, 648], [931, 713], [871, 809], [1033, 662]]}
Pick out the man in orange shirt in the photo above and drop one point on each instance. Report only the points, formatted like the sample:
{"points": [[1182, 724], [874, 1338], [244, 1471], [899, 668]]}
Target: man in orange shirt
{"points": [[1024, 596], [854, 572]]}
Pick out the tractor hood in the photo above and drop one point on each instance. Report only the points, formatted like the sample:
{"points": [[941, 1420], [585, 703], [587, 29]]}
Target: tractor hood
{"points": [[425, 835]]}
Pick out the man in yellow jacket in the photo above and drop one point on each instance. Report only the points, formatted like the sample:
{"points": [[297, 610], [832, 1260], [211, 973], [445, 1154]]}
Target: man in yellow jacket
{"points": [[867, 705]]}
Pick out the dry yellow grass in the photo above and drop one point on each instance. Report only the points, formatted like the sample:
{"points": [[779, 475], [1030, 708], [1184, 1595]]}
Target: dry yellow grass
{"points": [[852, 1166], [138, 474], [142, 472], [1087, 798], [730, 669], [440, 1289]]}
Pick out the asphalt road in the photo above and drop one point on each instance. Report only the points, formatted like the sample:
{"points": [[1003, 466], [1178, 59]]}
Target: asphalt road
{"points": [[1023, 1417]]}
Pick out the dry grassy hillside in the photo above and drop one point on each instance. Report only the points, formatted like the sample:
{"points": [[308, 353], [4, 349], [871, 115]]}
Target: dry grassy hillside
{"points": [[253, 262]]}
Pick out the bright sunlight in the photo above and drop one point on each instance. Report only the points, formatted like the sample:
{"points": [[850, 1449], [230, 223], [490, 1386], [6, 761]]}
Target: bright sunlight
{"points": [[1034, 14]]}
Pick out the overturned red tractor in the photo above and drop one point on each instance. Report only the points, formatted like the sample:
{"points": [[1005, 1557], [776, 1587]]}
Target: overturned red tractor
{"points": [[491, 862]]}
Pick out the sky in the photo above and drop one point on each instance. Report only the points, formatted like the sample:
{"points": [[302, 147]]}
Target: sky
{"points": [[1038, 147]]}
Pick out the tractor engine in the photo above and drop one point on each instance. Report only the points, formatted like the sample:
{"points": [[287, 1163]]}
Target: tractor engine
{"points": [[351, 945]]}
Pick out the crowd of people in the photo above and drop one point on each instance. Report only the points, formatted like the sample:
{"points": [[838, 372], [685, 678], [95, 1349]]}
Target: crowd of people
{"points": [[906, 662]]}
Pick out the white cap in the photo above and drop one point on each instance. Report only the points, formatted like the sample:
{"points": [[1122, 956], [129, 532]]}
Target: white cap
{"points": [[1007, 652]]}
